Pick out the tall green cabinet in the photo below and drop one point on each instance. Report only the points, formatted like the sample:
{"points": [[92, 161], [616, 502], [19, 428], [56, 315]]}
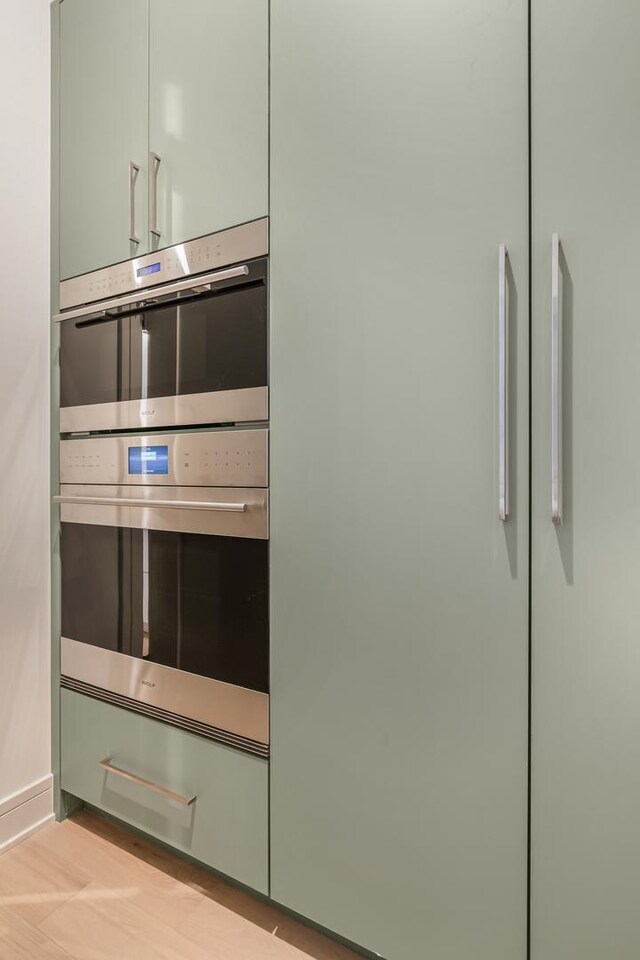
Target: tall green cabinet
{"points": [[585, 740], [399, 169]]}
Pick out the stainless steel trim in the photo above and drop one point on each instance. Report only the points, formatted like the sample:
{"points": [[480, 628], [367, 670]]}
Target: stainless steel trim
{"points": [[503, 386], [178, 350], [164, 504], [110, 767], [243, 713], [154, 166], [134, 170], [556, 382], [196, 285], [235, 245], [146, 638], [164, 716], [210, 458], [249, 405], [110, 506]]}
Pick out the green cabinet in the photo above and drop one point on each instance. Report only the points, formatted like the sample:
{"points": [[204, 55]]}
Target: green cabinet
{"points": [[163, 124], [103, 130], [208, 114], [585, 574], [225, 826], [399, 165]]}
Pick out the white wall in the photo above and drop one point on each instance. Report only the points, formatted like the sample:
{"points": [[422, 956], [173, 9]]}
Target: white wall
{"points": [[25, 736]]}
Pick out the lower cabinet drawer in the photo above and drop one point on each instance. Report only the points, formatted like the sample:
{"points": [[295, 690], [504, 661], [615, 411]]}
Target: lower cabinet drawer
{"points": [[224, 827]]}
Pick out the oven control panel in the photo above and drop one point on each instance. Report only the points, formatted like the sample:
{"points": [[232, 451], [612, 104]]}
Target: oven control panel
{"points": [[245, 242], [216, 458]]}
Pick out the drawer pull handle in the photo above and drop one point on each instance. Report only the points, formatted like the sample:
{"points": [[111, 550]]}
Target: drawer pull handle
{"points": [[149, 784]]}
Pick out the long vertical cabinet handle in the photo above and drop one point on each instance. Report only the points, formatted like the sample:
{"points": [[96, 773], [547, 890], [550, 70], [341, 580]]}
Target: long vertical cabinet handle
{"points": [[556, 383], [154, 163], [134, 170], [503, 385]]}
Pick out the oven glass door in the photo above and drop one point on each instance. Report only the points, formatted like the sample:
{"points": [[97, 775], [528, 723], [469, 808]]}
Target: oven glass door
{"points": [[214, 343], [195, 602], [94, 365]]}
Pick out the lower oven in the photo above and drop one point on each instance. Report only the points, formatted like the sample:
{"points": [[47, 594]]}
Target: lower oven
{"points": [[165, 567]]}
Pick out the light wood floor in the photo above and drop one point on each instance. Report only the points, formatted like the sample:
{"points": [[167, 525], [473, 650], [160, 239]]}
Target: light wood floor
{"points": [[88, 890]]}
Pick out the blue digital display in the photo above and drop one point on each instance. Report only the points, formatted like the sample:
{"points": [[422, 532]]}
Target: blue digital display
{"points": [[148, 460], [145, 271]]}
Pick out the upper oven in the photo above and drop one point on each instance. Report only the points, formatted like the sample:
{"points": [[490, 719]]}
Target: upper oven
{"points": [[175, 338]]}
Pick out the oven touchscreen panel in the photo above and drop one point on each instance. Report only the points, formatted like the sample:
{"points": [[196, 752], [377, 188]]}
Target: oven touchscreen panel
{"points": [[144, 461]]}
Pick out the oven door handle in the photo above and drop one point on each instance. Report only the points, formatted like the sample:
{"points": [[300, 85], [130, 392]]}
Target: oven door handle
{"points": [[177, 504], [195, 285]]}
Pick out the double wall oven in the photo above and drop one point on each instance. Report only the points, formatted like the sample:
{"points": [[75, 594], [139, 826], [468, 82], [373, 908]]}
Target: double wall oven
{"points": [[164, 487]]}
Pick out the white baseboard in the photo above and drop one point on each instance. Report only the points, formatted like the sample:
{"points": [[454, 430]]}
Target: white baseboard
{"points": [[22, 813]]}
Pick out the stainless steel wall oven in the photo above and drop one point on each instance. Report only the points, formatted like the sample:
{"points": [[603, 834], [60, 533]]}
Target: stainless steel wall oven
{"points": [[165, 566], [174, 338], [164, 531]]}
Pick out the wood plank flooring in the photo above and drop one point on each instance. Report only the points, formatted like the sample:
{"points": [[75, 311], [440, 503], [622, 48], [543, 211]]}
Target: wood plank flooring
{"points": [[86, 889]]}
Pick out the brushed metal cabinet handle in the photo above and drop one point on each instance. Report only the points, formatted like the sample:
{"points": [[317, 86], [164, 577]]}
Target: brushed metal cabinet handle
{"points": [[556, 382], [154, 165], [163, 504], [107, 765], [503, 385], [134, 170]]}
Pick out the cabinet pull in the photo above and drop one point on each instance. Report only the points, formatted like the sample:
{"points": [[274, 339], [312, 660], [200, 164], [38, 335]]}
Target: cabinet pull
{"points": [[503, 385], [154, 165], [149, 784], [556, 383], [134, 170]]}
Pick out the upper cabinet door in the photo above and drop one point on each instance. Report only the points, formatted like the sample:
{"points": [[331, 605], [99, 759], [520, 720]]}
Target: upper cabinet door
{"points": [[208, 115], [586, 569], [399, 596], [103, 132]]}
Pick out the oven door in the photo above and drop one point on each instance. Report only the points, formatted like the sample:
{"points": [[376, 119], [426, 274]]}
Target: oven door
{"points": [[165, 604], [178, 359]]}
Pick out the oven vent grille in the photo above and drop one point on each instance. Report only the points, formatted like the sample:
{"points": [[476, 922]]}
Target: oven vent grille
{"points": [[202, 729]]}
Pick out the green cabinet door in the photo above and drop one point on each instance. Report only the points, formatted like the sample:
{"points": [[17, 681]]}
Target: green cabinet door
{"points": [[399, 598], [208, 114], [103, 129], [586, 572]]}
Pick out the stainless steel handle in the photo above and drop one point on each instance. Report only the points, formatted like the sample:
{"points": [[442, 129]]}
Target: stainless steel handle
{"points": [[556, 382], [146, 639], [139, 502], [199, 284], [503, 385], [154, 164], [107, 765], [134, 170]]}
